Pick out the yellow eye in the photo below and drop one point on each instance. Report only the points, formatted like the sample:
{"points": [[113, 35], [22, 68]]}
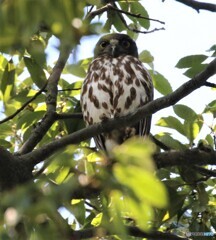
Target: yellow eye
{"points": [[125, 44], [104, 44]]}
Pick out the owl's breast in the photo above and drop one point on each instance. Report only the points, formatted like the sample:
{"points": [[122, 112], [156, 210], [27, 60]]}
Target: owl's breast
{"points": [[113, 87]]}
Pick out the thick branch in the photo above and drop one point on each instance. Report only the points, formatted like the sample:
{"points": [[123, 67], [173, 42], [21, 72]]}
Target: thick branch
{"points": [[185, 158], [199, 5], [51, 99], [132, 231], [12, 171], [150, 108]]}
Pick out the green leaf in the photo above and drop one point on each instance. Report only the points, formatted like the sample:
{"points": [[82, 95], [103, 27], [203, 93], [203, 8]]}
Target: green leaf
{"points": [[137, 154], [176, 201], [138, 179], [146, 57], [77, 70], [138, 8], [37, 74], [36, 49], [97, 220], [212, 48], [161, 84], [210, 140], [134, 151], [185, 112], [192, 129], [195, 70], [171, 122], [3, 63], [170, 141], [7, 81], [5, 143], [78, 211], [29, 118], [191, 61], [211, 107]]}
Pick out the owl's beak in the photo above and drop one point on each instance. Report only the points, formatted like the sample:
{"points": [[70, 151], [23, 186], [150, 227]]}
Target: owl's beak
{"points": [[114, 50]]}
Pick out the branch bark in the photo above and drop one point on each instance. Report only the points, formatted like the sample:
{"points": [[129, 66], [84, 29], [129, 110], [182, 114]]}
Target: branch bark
{"points": [[199, 5], [132, 231], [188, 157]]}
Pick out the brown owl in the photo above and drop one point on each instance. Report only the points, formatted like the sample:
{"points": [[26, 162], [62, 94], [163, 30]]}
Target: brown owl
{"points": [[116, 84]]}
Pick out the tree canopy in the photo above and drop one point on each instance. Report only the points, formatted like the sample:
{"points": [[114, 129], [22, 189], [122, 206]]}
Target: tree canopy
{"points": [[54, 184]]}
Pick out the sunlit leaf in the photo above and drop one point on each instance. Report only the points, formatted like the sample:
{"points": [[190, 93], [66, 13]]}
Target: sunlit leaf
{"points": [[171, 122], [136, 151], [94, 157], [62, 175], [7, 81], [192, 130], [97, 220], [145, 185]]}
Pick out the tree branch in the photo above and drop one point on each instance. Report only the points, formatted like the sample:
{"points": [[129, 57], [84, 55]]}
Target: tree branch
{"points": [[69, 116], [199, 5], [51, 99], [132, 231], [12, 171], [185, 158], [209, 84]]}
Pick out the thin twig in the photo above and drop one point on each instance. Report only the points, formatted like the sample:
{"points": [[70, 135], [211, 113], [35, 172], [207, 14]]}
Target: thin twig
{"points": [[69, 116], [24, 105], [109, 6], [145, 32]]}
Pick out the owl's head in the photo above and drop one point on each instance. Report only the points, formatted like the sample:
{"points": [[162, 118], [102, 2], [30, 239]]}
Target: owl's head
{"points": [[115, 45]]}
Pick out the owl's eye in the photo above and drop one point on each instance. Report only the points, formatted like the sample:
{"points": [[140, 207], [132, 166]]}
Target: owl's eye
{"points": [[104, 44], [125, 44]]}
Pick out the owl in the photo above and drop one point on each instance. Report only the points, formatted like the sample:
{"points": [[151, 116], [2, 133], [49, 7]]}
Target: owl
{"points": [[116, 84]]}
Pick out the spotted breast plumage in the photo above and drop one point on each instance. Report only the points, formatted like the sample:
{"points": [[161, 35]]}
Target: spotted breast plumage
{"points": [[116, 84]]}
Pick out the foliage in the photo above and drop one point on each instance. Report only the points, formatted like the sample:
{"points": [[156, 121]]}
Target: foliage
{"points": [[132, 192]]}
